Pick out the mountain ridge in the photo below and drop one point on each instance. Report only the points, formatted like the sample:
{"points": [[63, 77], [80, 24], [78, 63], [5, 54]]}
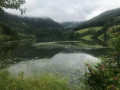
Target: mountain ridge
{"points": [[41, 28], [99, 20]]}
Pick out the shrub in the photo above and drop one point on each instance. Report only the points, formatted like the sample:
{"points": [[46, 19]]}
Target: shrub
{"points": [[106, 75]]}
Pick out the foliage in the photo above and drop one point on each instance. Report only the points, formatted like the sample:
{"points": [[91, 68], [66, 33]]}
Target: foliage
{"points": [[103, 30], [44, 29], [106, 75], [117, 50], [86, 29], [105, 20], [7, 33], [46, 81], [12, 4], [101, 19]]}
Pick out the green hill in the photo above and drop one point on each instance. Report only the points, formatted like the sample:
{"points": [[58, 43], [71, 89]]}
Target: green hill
{"points": [[87, 29], [41, 28], [7, 33], [101, 19], [103, 26]]}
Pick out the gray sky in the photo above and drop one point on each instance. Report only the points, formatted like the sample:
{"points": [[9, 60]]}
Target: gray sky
{"points": [[67, 10]]}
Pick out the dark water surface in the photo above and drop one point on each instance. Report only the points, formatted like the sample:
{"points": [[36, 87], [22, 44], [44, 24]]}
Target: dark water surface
{"points": [[64, 57]]}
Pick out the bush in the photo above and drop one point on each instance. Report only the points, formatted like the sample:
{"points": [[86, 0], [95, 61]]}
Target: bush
{"points": [[106, 75], [117, 50]]}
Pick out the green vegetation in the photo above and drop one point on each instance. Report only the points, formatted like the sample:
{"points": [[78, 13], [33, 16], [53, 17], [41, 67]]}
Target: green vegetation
{"points": [[106, 32], [44, 29], [7, 33], [87, 29], [106, 75], [46, 81], [101, 19], [12, 4], [104, 26], [114, 31], [110, 32], [88, 37]]}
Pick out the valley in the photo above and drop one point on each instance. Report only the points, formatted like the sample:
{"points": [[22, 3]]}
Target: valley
{"points": [[60, 56]]}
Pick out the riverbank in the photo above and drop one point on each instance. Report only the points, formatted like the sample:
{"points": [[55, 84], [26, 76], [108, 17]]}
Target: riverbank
{"points": [[46, 81], [32, 61]]}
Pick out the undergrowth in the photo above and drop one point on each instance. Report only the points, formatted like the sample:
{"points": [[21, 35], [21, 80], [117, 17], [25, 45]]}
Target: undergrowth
{"points": [[106, 75], [46, 81]]}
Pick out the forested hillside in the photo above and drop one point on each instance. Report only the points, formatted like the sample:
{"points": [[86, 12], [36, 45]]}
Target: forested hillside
{"points": [[42, 28], [101, 19], [7, 33], [103, 26]]}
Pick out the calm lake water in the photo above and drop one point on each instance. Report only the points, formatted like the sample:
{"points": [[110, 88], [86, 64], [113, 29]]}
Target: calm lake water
{"points": [[33, 58]]}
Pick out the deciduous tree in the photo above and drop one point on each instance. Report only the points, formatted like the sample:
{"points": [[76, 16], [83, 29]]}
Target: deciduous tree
{"points": [[12, 4]]}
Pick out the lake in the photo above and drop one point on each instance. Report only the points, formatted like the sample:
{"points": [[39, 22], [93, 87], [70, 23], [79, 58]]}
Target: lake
{"points": [[67, 58]]}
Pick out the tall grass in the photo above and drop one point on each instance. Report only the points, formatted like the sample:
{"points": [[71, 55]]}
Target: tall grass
{"points": [[46, 81]]}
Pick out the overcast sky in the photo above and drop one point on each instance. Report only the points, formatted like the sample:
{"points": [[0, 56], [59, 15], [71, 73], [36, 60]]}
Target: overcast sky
{"points": [[67, 10]]}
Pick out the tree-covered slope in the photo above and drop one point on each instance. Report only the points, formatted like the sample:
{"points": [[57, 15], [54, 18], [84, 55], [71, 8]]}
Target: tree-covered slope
{"points": [[42, 28], [7, 33], [101, 19]]}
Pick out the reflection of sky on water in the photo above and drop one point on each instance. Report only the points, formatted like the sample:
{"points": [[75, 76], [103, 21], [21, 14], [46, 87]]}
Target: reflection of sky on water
{"points": [[61, 62], [68, 59]]}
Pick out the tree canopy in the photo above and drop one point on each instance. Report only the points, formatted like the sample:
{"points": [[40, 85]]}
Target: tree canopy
{"points": [[12, 4]]}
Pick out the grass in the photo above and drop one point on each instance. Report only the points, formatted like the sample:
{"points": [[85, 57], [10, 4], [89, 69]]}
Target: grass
{"points": [[46, 81], [111, 28], [109, 32], [86, 29], [85, 45], [68, 44], [101, 37], [88, 37]]}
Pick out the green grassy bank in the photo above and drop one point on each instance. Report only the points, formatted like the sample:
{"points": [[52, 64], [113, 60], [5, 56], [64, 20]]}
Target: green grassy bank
{"points": [[46, 81]]}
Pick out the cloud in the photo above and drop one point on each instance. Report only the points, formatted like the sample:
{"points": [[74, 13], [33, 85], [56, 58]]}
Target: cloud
{"points": [[67, 10]]}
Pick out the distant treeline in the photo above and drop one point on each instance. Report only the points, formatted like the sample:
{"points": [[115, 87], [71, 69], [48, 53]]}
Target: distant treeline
{"points": [[44, 29]]}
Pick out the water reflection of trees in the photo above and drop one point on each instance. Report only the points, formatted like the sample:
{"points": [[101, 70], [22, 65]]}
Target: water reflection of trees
{"points": [[92, 42], [18, 51], [94, 52], [15, 52], [29, 52], [5, 51]]}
